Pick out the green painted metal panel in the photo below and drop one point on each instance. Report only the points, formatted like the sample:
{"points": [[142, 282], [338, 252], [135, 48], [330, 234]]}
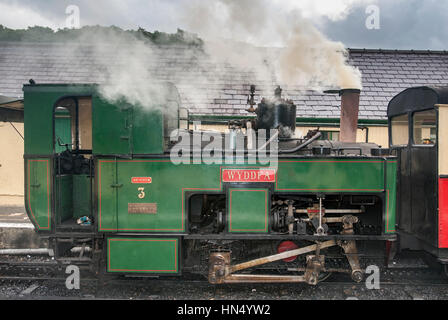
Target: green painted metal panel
{"points": [[38, 124], [82, 196], [135, 130], [248, 210], [143, 255], [391, 196], [64, 199], [107, 195], [166, 192], [330, 175], [37, 196], [111, 127], [147, 132]]}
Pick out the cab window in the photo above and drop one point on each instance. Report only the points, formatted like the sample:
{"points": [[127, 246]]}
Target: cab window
{"points": [[62, 129], [400, 130], [425, 128]]}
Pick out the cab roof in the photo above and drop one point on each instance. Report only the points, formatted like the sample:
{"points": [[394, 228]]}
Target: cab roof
{"points": [[417, 99]]}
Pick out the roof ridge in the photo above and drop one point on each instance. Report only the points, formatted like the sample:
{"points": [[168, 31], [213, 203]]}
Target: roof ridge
{"points": [[388, 51], [351, 50]]}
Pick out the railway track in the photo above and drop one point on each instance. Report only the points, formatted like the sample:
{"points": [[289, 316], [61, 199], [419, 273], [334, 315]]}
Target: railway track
{"points": [[157, 289], [126, 288], [44, 271], [402, 277]]}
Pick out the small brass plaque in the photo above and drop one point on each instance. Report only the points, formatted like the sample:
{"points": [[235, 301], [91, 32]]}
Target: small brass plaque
{"points": [[142, 208]]}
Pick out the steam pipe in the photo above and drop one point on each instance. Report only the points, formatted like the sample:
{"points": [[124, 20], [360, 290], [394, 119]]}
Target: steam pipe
{"points": [[268, 142], [303, 145], [50, 252]]}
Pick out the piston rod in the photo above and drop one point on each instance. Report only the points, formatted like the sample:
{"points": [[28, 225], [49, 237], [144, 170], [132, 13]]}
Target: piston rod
{"points": [[280, 256], [334, 211], [252, 278]]}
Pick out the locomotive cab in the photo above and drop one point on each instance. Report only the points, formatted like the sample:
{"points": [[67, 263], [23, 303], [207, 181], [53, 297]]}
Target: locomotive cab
{"points": [[418, 120], [67, 128]]}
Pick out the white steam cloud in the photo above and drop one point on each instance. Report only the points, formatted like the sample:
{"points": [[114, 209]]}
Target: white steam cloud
{"points": [[130, 76], [306, 58], [124, 65]]}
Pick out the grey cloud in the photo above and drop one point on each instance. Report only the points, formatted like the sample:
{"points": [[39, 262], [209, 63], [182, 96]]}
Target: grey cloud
{"points": [[130, 14], [405, 24]]}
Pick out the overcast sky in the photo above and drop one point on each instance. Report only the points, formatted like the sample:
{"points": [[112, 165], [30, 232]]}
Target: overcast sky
{"points": [[403, 24]]}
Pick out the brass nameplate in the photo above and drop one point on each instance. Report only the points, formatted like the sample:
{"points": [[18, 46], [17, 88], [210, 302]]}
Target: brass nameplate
{"points": [[142, 208]]}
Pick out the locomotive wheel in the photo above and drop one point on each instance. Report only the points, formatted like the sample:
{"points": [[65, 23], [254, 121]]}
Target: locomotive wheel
{"points": [[287, 246]]}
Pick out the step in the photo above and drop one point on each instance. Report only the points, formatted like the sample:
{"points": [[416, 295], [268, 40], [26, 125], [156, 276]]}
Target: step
{"points": [[20, 236]]}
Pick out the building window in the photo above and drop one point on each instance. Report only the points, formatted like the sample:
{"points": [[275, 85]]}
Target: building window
{"points": [[400, 130], [425, 128], [330, 135]]}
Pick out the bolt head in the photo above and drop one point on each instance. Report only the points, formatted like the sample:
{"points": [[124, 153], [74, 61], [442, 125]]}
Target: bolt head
{"points": [[357, 276]]}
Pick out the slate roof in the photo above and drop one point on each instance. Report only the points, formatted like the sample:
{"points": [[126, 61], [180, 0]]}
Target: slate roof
{"points": [[7, 100], [210, 89]]}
